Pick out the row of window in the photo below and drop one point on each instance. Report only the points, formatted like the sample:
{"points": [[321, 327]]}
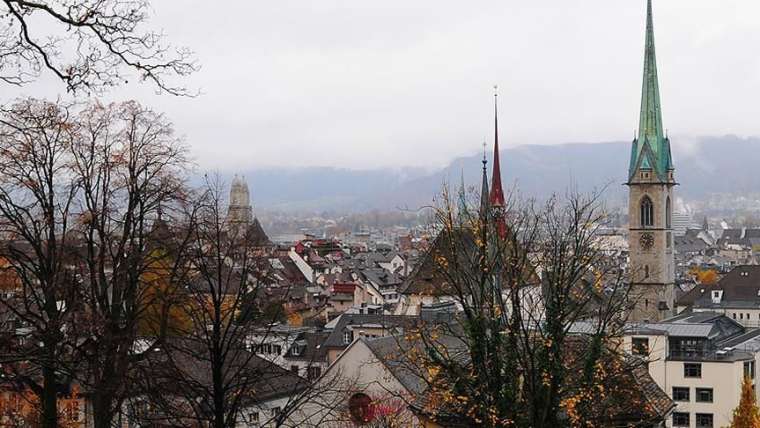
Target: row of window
{"points": [[695, 370], [312, 372], [703, 420], [701, 395], [253, 418], [742, 315], [267, 348]]}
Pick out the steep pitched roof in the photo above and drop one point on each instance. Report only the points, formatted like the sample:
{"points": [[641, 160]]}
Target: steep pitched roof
{"points": [[257, 235], [427, 278], [496, 197], [651, 149]]}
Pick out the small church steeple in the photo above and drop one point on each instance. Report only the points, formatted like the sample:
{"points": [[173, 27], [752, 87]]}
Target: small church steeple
{"points": [[497, 193], [484, 194]]}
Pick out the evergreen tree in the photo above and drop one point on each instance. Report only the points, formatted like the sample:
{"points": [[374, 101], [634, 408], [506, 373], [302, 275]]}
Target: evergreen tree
{"points": [[746, 415]]}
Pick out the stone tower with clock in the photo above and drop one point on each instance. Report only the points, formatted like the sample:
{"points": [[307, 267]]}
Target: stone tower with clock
{"points": [[650, 203]]}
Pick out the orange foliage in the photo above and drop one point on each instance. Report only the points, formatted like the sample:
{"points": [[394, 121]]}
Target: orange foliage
{"points": [[704, 276], [161, 300], [746, 415], [22, 409], [8, 279]]}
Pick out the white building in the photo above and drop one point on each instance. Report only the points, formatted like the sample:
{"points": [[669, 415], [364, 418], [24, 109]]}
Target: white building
{"points": [[699, 360]]}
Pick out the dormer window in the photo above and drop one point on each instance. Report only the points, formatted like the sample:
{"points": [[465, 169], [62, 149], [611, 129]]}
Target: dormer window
{"points": [[716, 296]]}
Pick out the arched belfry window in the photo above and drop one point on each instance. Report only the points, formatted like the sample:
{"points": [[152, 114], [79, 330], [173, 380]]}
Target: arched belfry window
{"points": [[668, 214], [647, 212]]}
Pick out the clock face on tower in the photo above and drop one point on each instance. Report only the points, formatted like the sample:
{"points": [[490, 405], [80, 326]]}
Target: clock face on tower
{"points": [[646, 240]]}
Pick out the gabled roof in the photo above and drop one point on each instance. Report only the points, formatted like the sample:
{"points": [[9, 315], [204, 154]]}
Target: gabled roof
{"points": [[184, 369], [346, 320], [257, 235], [425, 279], [381, 277], [740, 289], [389, 352]]}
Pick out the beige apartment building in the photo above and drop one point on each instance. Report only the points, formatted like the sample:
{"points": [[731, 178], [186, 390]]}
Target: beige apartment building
{"points": [[699, 360]]}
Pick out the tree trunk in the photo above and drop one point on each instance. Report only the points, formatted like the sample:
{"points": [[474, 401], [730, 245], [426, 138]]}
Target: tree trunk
{"points": [[49, 396], [220, 409], [101, 410]]}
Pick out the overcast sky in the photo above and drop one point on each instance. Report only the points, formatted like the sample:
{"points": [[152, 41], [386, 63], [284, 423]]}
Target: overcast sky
{"points": [[375, 83]]}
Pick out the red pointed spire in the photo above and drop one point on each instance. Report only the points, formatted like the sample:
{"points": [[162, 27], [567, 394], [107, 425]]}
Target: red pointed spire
{"points": [[497, 193]]}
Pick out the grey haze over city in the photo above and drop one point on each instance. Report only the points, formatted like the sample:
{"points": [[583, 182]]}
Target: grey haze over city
{"points": [[345, 213], [366, 85]]}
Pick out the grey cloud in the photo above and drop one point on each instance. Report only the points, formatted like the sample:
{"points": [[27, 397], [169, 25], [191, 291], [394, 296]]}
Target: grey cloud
{"points": [[363, 84]]}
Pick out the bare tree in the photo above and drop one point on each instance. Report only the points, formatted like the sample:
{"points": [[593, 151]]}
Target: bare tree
{"points": [[90, 45], [80, 207], [37, 195], [542, 311], [206, 373], [129, 164]]}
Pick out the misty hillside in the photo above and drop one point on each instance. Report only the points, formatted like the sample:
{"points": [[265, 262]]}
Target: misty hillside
{"points": [[709, 165]]}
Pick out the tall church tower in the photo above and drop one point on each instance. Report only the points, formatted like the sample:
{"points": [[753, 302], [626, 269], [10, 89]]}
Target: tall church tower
{"points": [[650, 184], [240, 211]]}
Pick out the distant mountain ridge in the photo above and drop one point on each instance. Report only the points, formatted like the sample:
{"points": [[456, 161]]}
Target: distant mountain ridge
{"points": [[704, 166]]}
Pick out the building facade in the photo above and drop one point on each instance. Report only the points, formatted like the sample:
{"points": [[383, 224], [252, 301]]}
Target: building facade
{"points": [[699, 360]]}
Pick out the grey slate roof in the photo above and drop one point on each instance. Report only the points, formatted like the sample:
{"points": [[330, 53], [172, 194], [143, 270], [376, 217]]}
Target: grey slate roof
{"points": [[707, 325], [311, 346], [740, 287], [335, 339], [676, 329]]}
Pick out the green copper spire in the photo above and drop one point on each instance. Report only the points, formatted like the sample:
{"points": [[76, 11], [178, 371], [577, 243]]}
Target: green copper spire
{"points": [[650, 121], [651, 149]]}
